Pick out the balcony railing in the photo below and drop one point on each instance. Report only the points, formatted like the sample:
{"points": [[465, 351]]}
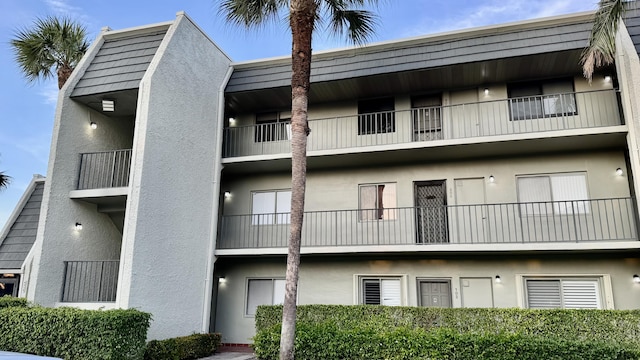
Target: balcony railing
{"points": [[90, 281], [539, 222], [106, 169], [488, 118]]}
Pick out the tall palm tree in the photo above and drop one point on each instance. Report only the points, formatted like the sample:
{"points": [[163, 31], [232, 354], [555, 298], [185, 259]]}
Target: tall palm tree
{"points": [[602, 42], [304, 16], [52, 42]]}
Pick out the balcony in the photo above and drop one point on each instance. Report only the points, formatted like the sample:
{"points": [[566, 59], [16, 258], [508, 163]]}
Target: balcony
{"points": [[433, 126], [105, 169], [468, 227], [90, 281]]}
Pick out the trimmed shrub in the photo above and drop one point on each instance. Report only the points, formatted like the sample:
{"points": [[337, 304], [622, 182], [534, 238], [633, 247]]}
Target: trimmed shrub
{"points": [[618, 326], [183, 348], [327, 341], [74, 334], [9, 301]]}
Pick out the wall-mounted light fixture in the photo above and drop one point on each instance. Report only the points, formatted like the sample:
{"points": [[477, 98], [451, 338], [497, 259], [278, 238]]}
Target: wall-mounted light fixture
{"points": [[492, 179], [619, 172], [78, 226], [498, 279], [607, 78], [232, 121], [486, 91], [93, 125], [227, 194], [222, 280], [108, 105], [636, 278]]}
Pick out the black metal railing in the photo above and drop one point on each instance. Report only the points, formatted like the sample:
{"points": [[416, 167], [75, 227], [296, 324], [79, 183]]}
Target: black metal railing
{"points": [[105, 169], [90, 281]]}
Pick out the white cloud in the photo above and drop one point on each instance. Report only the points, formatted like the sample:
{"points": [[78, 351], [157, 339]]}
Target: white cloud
{"points": [[64, 8], [50, 93]]}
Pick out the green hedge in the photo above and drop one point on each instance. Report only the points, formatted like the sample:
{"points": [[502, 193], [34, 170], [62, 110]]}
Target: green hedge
{"points": [[9, 301], [328, 341], [74, 334], [618, 326], [183, 348]]}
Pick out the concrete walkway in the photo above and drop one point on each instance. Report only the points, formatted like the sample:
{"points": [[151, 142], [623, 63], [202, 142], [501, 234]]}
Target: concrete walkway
{"points": [[231, 356]]}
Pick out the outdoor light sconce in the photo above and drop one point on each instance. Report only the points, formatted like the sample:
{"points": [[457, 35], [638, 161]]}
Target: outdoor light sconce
{"points": [[607, 78], [619, 172], [93, 125], [636, 279], [486, 91], [498, 279], [222, 279], [232, 121], [108, 105], [78, 226], [227, 194], [492, 179]]}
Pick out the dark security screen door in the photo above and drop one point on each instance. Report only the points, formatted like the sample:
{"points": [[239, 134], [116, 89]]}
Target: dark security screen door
{"points": [[431, 212]]}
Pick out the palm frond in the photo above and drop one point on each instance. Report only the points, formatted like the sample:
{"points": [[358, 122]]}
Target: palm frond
{"points": [[357, 25], [251, 13], [51, 43], [4, 180], [602, 42]]}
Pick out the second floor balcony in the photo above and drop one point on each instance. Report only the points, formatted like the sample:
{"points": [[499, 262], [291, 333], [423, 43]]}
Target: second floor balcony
{"points": [[482, 226], [436, 124]]}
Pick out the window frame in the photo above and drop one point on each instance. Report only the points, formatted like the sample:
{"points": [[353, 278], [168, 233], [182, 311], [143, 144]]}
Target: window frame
{"points": [[271, 129], [393, 211], [376, 116], [539, 99], [360, 279], [554, 207], [246, 293], [601, 283], [275, 215]]}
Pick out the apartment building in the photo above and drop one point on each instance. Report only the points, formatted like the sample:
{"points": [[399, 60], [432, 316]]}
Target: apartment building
{"points": [[474, 168]]}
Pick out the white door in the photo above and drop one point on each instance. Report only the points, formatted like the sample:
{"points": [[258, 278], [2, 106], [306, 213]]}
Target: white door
{"points": [[477, 292], [471, 211]]}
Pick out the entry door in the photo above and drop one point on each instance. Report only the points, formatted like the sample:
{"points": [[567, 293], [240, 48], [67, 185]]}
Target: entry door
{"points": [[431, 212], [470, 211], [435, 293], [476, 292]]}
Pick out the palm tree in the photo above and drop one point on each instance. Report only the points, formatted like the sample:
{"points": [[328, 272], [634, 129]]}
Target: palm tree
{"points": [[304, 15], [4, 180], [602, 42], [53, 42]]}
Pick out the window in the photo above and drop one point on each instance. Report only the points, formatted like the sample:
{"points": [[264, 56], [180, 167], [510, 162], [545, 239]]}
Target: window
{"points": [[564, 293], [271, 207], [535, 100], [378, 202], [264, 292], [380, 291], [425, 114], [272, 127], [376, 116], [553, 194]]}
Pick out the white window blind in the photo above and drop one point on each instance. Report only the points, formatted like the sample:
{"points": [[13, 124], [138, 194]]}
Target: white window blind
{"points": [[381, 292], [553, 194], [264, 292], [271, 207], [563, 293], [378, 202], [535, 192], [568, 188]]}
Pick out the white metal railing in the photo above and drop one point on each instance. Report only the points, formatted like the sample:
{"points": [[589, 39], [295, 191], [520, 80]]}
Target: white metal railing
{"points": [[537, 222], [488, 118], [105, 169], [90, 281]]}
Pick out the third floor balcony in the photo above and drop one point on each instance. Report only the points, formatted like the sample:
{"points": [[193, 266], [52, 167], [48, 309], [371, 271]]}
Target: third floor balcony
{"points": [[516, 118]]}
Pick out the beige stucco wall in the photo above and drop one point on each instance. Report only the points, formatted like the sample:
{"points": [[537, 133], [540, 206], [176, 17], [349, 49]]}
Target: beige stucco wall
{"points": [[335, 280]]}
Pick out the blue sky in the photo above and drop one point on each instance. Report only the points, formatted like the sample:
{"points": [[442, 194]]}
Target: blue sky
{"points": [[28, 108]]}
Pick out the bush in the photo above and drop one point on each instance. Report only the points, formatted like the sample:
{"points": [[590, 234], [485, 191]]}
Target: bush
{"points": [[9, 301], [326, 341], [618, 326], [182, 348], [74, 334]]}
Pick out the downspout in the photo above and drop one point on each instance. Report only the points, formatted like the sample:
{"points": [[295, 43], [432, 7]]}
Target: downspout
{"points": [[217, 175]]}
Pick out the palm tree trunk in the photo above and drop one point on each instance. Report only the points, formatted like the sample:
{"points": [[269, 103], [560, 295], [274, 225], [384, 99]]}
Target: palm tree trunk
{"points": [[64, 72], [301, 17]]}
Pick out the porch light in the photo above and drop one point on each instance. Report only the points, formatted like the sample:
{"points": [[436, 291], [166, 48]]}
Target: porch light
{"points": [[486, 91], [222, 279], [78, 226], [492, 179], [636, 278], [498, 279], [227, 194], [93, 125], [607, 78], [232, 121], [619, 172], [108, 105]]}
